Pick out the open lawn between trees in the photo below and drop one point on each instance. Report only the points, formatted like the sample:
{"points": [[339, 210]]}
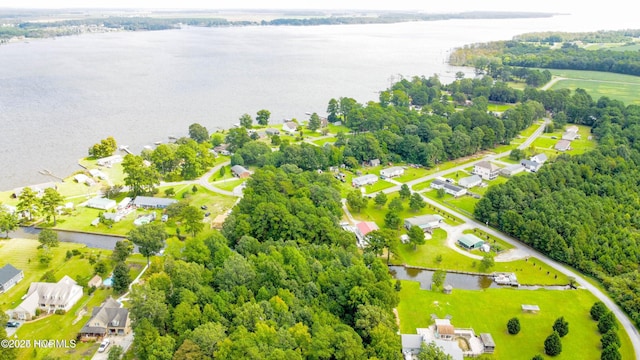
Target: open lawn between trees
{"points": [[489, 310]]}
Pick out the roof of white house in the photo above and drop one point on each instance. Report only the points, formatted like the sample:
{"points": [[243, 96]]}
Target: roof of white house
{"points": [[539, 158], [239, 169], [152, 201], [424, 219], [365, 178], [469, 180], [55, 293], [488, 165], [7, 273], [393, 169]]}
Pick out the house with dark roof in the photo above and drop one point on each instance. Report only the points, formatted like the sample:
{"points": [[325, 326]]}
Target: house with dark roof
{"points": [[108, 319], [149, 202], [448, 187], [9, 276], [530, 165]]}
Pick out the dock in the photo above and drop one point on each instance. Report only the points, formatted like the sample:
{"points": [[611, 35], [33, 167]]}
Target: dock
{"points": [[125, 148], [47, 172]]}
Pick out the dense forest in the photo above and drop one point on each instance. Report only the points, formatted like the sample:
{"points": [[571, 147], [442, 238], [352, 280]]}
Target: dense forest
{"points": [[581, 210], [284, 282], [554, 51]]}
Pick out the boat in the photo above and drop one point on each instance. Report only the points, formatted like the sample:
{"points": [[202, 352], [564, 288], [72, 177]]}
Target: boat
{"points": [[171, 137], [157, 143], [148, 147]]}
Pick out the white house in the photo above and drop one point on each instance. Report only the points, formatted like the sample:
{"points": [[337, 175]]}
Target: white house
{"points": [[511, 170], [530, 165], [109, 160], [48, 297], [9, 276], [470, 181], [290, 127], [101, 203], [364, 180], [486, 170], [425, 222], [391, 172], [540, 158], [571, 133], [448, 188]]}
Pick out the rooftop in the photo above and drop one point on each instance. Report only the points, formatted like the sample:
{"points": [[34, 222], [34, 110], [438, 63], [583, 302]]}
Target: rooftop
{"points": [[7, 273]]}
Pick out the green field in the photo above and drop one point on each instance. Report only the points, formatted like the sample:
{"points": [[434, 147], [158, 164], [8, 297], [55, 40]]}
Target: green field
{"points": [[615, 86], [411, 173], [489, 310], [229, 185]]}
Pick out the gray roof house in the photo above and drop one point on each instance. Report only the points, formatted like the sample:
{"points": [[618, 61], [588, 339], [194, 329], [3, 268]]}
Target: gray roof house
{"points": [[530, 165], [470, 181], [48, 297], [448, 188], [9, 276], [240, 171], [511, 170], [562, 145], [411, 343], [108, 319], [425, 222], [152, 202], [364, 180], [486, 170], [540, 158]]}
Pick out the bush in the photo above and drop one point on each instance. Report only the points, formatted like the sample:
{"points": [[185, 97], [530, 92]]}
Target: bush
{"points": [[69, 255], [561, 326], [60, 312], [607, 322], [513, 326], [75, 252], [611, 353], [597, 310], [610, 338], [553, 345]]}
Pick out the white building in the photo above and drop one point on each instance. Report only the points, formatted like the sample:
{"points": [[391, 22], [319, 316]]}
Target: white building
{"points": [[290, 127], [391, 172], [101, 203], [364, 180], [48, 297], [470, 181], [486, 170]]}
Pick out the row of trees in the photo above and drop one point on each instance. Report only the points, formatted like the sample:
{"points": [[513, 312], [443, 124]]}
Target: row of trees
{"points": [[30, 206], [281, 280]]}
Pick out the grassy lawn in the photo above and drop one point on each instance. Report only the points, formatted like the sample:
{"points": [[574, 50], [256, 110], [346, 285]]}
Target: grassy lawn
{"points": [[23, 254], [229, 185], [81, 218], [583, 144], [464, 203], [334, 129], [489, 310], [499, 107], [490, 183], [379, 185], [217, 176], [489, 238], [321, 142], [62, 327], [615, 86], [411, 173]]}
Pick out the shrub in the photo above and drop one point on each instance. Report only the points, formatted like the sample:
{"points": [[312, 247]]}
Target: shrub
{"points": [[561, 326], [553, 345], [597, 310], [60, 312], [513, 326]]}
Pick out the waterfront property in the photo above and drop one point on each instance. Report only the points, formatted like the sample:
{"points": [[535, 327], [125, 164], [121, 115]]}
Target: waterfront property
{"points": [[100, 203], [448, 187], [109, 160], [425, 222], [486, 170], [391, 172], [470, 241], [108, 319], [364, 180], [48, 297], [148, 202], [9, 276], [272, 131], [38, 189], [290, 127]]}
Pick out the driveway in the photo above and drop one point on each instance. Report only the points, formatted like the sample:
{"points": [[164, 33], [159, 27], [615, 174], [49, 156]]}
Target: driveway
{"points": [[123, 341]]}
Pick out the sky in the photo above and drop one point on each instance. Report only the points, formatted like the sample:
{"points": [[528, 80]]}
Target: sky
{"points": [[563, 6]]}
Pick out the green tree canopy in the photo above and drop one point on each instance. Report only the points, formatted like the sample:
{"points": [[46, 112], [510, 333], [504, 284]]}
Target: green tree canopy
{"points": [[149, 238], [198, 133], [553, 345], [513, 326], [106, 147], [262, 117], [561, 326], [48, 238], [50, 201]]}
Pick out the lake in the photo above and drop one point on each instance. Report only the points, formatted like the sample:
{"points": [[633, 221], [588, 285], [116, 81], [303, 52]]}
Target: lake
{"points": [[60, 96]]}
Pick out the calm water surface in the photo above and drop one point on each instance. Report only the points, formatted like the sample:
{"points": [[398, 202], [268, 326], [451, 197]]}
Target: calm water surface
{"points": [[58, 97]]}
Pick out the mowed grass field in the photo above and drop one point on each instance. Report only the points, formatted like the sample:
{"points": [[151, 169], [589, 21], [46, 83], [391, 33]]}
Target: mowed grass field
{"points": [[625, 88], [489, 310]]}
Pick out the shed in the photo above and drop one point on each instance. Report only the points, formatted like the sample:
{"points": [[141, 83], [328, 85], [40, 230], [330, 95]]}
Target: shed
{"points": [[101, 203], [530, 308], [488, 343], [240, 171], [470, 181], [470, 241], [95, 281], [447, 289]]}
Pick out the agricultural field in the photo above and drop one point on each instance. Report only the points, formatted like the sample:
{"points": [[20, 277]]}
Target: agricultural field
{"points": [[615, 86], [489, 310]]}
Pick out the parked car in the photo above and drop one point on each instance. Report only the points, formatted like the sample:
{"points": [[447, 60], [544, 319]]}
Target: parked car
{"points": [[13, 324], [203, 207], [104, 345]]}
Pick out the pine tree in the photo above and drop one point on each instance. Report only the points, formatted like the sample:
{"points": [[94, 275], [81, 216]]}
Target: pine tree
{"points": [[513, 326], [561, 326], [553, 345]]}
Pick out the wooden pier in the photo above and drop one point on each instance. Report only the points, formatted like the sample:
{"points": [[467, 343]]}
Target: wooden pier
{"points": [[47, 172]]}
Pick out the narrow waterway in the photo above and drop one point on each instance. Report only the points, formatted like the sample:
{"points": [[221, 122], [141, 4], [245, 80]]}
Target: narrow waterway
{"points": [[91, 240], [459, 281]]}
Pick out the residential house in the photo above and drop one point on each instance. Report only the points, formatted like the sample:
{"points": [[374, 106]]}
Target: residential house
{"points": [[391, 172], [563, 145], [372, 162], [444, 330], [101, 203], [108, 319], [95, 281], [109, 160], [470, 181], [425, 222], [148, 202], [486, 170], [411, 344], [272, 132], [540, 158], [9, 276], [364, 180], [530, 165], [240, 171], [37, 189], [571, 133], [48, 297], [363, 228], [511, 170], [222, 149], [290, 127], [470, 241], [448, 188]]}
